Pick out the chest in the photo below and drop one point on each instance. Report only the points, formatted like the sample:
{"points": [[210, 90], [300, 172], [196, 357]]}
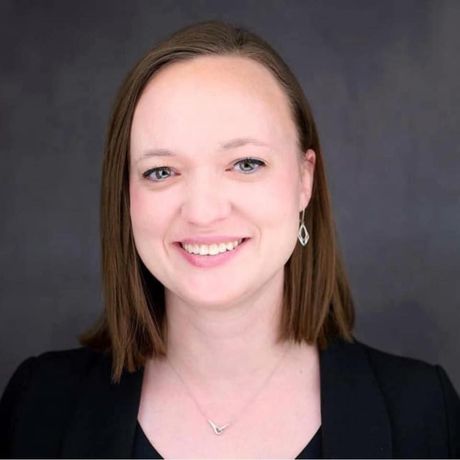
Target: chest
{"points": [[279, 423]]}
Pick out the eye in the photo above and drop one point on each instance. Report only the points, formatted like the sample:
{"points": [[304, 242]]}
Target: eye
{"points": [[155, 174], [250, 161]]}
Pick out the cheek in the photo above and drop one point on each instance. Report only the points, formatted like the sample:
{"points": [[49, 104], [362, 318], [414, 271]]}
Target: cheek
{"points": [[277, 199], [144, 213]]}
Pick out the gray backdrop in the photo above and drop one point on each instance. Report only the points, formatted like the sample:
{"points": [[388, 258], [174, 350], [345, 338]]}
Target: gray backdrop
{"points": [[383, 81]]}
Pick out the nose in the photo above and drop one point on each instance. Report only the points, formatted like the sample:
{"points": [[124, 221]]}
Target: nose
{"points": [[205, 201]]}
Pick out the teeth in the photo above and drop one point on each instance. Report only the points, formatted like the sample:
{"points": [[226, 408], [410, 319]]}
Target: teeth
{"points": [[213, 249]]}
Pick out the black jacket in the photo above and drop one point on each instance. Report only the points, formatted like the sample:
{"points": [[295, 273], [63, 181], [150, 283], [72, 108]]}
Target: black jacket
{"points": [[373, 405]]}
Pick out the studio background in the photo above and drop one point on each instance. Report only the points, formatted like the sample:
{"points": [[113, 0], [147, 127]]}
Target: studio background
{"points": [[383, 81]]}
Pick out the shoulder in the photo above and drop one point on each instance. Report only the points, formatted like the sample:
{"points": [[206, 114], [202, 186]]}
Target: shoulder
{"points": [[388, 368], [55, 374], [405, 378], [400, 378], [405, 404], [58, 368], [44, 389], [397, 370], [417, 394], [409, 377]]}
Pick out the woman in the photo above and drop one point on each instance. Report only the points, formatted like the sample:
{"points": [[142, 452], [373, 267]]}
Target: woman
{"points": [[227, 329]]}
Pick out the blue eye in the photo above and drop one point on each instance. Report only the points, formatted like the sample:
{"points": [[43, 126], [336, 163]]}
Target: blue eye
{"points": [[152, 174], [160, 174], [249, 161]]}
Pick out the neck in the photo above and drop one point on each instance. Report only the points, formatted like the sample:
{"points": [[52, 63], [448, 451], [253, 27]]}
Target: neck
{"points": [[226, 357], [232, 342]]}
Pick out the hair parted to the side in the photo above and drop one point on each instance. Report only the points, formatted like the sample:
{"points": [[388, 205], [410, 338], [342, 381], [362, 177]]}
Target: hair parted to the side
{"points": [[317, 303]]}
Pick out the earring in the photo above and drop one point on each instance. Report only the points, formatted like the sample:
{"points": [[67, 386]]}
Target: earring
{"points": [[303, 235]]}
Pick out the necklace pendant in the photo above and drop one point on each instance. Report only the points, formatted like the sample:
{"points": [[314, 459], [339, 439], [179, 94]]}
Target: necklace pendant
{"points": [[217, 429]]}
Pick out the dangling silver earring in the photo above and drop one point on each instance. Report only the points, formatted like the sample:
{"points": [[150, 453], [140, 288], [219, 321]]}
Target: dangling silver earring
{"points": [[303, 233]]}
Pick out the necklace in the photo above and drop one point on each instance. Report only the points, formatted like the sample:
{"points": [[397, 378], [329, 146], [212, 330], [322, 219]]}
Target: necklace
{"points": [[219, 429]]}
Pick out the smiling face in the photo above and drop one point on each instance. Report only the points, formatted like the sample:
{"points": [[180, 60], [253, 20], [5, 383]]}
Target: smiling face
{"points": [[219, 130]]}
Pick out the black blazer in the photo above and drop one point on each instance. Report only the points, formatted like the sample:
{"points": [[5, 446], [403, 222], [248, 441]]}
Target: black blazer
{"points": [[373, 405]]}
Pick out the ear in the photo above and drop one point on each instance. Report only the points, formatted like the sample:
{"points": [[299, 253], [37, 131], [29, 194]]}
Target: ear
{"points": [[307, 170]]}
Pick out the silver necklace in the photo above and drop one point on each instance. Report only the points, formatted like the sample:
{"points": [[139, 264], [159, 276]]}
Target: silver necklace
{"points": [[219, 429]]}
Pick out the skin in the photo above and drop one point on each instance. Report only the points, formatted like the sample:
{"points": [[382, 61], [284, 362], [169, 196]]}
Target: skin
{"points": [[222, 321]]}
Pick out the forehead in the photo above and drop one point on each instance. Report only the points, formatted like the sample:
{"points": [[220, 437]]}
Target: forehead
{"points": [[204, 101]]}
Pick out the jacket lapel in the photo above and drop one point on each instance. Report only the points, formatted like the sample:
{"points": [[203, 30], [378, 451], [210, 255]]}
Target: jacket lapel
{"points": [[104, 422], [355, 423]]}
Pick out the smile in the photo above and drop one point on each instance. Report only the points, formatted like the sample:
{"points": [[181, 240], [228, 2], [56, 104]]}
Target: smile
{"points": [[212, 249], [209, 256]]}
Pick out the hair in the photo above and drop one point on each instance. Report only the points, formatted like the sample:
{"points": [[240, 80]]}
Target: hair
{"points": [[317, 302]]}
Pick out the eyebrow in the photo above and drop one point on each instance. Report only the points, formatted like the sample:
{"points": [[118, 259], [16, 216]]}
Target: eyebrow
{"points": [[231, 144]]}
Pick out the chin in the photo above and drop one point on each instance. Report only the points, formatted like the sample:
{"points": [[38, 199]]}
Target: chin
{"points": [[219, 301], [211, 298]]}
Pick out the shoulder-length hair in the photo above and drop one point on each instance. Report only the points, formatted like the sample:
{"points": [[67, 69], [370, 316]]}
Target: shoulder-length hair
{"points": [[317, 302]]}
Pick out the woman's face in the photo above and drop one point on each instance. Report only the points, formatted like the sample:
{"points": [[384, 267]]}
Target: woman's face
{"points": [[197, 121]]}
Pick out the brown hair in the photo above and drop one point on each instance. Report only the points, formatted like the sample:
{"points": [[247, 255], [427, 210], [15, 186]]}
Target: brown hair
{"points": [[317, 303]]}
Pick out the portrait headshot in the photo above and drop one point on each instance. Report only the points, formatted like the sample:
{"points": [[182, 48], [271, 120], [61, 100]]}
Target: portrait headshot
{"points": [[230, 230]]}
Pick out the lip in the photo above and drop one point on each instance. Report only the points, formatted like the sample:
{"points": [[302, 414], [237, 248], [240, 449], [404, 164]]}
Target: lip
{"points": [[211, 239], [211, 261]]}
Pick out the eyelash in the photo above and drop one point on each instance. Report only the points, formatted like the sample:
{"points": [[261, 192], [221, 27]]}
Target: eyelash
{"points": [[161, 168]]}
